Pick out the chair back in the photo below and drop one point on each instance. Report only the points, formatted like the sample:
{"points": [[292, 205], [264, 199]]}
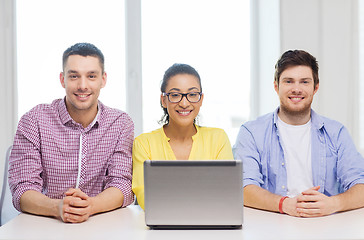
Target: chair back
{"points": [[7, 209]]}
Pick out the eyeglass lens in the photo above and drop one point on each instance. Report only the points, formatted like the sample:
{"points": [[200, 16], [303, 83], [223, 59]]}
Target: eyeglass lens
{"points": [[177, 97]]}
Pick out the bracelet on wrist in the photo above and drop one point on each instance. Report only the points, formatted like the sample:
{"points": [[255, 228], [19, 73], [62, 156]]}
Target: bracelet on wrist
{"points": [[281, 204]]}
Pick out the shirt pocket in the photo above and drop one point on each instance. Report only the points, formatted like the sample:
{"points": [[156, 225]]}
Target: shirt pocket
{"points": [[332, 183]]}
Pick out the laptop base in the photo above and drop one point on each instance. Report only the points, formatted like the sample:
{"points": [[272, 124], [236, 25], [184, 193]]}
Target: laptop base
{"points": [[189, 227]]}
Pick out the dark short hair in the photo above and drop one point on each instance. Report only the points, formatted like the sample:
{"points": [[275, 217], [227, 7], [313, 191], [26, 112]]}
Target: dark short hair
{"points": [[293, 58], [176, 69], [84, 49]]}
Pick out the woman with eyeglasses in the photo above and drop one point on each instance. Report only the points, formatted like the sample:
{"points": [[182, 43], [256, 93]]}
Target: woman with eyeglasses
{"points": [[179, 138]]}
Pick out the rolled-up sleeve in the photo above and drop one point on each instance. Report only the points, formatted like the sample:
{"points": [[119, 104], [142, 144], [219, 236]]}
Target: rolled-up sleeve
{"points": [[120, 165], [350, 166], [245, 149], [25, 167]]}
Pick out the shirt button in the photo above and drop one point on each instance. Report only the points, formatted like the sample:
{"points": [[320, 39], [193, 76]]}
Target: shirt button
{"points": [[282, 163], [283, 187]]}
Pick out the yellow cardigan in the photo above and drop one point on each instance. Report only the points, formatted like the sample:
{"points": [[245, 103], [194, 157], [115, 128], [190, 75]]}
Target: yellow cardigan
{"points": [[208, 143]]}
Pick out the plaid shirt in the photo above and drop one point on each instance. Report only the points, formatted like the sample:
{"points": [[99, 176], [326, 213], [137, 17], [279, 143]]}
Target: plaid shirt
{"points": [[49, 143]]}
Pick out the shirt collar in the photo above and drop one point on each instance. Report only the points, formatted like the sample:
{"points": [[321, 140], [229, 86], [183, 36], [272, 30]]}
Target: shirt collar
{"points": [[63, 113], [164, 134], [193, 137], [66, 117], [197, 132], [96, 120], [316, 120], [275, 116]]}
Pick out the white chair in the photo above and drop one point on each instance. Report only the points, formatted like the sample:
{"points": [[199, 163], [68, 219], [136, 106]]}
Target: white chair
{"points": [[7, 210]]}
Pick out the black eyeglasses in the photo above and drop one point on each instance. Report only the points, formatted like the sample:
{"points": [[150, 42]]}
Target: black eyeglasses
{"points": [[176, 97]]}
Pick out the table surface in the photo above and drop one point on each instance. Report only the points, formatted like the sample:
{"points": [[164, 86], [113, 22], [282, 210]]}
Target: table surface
{"points": [[128, 223]]}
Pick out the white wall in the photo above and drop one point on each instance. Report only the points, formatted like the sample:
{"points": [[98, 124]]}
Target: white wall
{"points": [[326, 28], [329, 30]]}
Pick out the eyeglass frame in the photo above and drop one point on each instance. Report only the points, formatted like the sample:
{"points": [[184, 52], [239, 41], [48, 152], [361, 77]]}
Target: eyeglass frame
{"points": [[183, 95]]}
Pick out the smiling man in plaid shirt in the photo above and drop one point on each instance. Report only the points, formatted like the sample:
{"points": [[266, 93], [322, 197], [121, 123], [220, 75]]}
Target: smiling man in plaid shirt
{"points": [[72, 158]]}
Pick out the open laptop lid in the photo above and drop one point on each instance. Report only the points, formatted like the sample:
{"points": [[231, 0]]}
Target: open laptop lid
{"points": [[188, 194]]}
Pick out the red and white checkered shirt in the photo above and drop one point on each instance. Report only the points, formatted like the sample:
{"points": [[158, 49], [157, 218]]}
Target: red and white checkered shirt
{"points": [[48, 144]]}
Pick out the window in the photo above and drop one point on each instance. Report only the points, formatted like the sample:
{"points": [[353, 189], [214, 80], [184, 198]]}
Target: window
{"points": [[46, 28], [211, 36], [361, 74]]}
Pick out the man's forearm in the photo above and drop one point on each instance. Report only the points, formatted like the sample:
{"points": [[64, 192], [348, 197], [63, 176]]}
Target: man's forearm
{"points": [[37, 203], [257, 197], [351, 199], [109, 199]]}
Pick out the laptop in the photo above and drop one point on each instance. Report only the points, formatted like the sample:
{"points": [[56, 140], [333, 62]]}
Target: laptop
{"points": [[193, 194]]}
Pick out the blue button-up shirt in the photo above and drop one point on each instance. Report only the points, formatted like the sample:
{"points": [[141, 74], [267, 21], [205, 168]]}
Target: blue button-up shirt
{"points": [[336, 164]]}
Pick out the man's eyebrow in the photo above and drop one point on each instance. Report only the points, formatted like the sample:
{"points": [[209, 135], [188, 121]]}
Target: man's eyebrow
{"points": [[89, 72], [93, 72]]}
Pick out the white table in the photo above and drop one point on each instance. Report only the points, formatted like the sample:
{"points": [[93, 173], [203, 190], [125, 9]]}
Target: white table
{"points": [[128, 223]]}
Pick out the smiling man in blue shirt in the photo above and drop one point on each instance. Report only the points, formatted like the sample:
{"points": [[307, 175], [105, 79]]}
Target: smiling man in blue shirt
{"points": [[296, 161]]}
